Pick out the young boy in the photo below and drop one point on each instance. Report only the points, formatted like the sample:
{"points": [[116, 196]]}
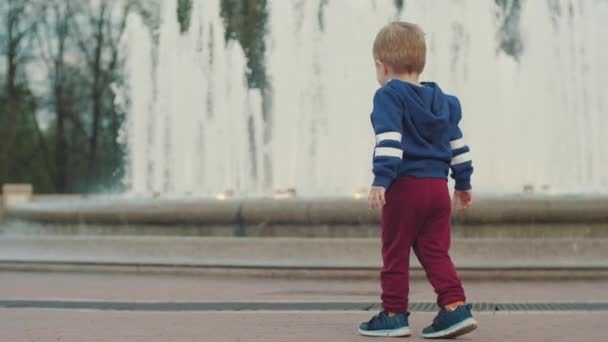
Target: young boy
{"points": [[417, 141]]}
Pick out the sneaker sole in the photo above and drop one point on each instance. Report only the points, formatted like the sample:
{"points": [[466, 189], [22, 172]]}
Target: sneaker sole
{"points": [[456, 330], [402, 332]]}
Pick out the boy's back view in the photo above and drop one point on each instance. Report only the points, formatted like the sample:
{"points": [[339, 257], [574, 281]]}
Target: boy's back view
{"points": [[417, 142]]}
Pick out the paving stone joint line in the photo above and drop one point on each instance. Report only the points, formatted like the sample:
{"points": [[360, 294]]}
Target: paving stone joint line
{"points": [[293, 306]]}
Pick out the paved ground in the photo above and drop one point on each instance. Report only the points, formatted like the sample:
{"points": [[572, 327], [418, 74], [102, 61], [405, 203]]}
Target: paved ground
{"points": [[24, 325], [84, 326], [151, 287]]}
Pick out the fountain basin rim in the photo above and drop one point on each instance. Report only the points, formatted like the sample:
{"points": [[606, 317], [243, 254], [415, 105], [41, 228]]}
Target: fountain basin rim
{"points": [[487, 209]]}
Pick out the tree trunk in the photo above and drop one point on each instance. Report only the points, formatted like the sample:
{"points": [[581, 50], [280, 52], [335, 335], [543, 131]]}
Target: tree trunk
{"points": [[61, 144], [12, 102], [97, 98], [61, 107]]}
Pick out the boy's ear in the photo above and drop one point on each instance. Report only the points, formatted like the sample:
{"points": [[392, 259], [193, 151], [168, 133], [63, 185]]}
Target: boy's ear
{"points": [[381, 66]]}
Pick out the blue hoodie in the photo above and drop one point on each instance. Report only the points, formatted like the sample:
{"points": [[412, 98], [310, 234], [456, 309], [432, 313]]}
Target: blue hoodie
{"points": [[417, 135]]}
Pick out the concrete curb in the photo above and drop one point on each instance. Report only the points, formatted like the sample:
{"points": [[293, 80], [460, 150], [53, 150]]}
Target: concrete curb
{"points": [[290, 273], [290, 306], [297, 253]]}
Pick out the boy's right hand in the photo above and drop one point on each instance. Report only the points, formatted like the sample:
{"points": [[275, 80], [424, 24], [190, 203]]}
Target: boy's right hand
{"points": [[463, 199]]}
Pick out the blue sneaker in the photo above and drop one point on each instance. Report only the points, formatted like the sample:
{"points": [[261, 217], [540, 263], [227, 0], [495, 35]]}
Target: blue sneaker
{"points": [[449, 324], [383, 325]]}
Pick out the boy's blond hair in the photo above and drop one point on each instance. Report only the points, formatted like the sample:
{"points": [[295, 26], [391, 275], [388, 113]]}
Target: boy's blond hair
{"points": [[401, 46]]}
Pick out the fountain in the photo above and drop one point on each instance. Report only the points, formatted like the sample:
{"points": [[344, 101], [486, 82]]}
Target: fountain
{"points": [[533, 115], [210, 156]]}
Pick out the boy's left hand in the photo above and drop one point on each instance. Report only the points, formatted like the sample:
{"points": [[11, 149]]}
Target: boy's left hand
{"points": [[376, 198]]}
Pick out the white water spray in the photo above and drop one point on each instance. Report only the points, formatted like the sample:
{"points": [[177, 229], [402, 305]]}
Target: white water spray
{"points": [[195, 127]]}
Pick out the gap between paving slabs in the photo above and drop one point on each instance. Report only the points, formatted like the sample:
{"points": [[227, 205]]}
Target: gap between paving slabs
{"points": [[304, 306]]}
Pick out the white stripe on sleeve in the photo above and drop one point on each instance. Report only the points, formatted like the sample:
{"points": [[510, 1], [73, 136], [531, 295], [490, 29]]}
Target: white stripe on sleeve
{"points": [[463, 158], [389, 152], [396, 136], [456, 144]]}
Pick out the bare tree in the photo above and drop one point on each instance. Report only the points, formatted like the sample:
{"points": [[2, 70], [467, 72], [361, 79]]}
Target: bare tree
{"points": [[97, 27], [52, 36], [60, 129], [18, 25]]}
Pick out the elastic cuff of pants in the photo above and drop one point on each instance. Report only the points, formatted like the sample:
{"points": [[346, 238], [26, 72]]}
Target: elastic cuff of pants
{"points": [[396, 309]]}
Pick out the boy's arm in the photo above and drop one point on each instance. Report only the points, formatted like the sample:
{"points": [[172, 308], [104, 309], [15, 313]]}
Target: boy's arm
{"points": [[461, 165], [387, 120]]}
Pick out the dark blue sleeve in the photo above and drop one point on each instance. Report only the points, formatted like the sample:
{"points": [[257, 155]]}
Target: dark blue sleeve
{"points": [[461, 165], [387, 120]]}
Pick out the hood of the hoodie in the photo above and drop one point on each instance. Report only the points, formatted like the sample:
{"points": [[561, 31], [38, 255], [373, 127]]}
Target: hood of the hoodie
{"points": [[426, 107]]}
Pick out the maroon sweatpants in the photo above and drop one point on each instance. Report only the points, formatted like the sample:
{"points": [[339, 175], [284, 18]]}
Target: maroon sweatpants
{"points": [[417, 215]]}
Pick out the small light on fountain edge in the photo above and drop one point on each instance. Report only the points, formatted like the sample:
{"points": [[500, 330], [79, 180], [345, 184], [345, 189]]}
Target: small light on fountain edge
{"points": [[360, 193], [222, 196], [281, 194]]}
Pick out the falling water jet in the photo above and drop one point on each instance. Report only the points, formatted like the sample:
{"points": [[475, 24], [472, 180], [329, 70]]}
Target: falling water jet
{"points": [[537, 119]]}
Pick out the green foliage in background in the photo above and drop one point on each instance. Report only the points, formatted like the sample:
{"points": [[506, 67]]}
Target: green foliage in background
{"points": [[245, 21], [29, 165], [509, 35], [184, 12], [62, 137], [399, 4]]}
